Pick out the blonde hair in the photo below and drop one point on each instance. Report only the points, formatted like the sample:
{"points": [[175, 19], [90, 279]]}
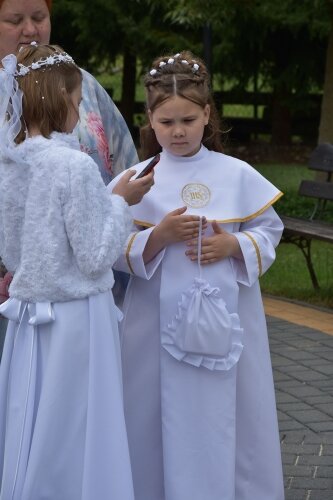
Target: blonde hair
{"points": [[45, 105], [186, 76]]}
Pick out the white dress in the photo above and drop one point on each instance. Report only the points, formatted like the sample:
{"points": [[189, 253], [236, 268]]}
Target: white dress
{"points": [[200, 427], [62, 425], [62, 428]]}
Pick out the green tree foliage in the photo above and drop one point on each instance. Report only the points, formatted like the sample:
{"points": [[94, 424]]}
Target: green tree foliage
{"points": [[284, 42], [98, 32]]}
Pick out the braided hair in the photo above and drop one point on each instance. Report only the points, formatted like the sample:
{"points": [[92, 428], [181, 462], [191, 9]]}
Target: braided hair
{"points": [[185, 76]]}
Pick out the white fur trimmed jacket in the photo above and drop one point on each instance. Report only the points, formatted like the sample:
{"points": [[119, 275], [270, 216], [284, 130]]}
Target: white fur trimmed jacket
{"points": [[60, 229]]}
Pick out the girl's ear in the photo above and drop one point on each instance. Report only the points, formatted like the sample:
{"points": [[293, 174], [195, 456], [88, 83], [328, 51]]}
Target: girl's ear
{"points": [[206, 113]]}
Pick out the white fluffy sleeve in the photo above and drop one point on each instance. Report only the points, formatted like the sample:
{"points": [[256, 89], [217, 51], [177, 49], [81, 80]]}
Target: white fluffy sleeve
{"points": [[97, 222]]}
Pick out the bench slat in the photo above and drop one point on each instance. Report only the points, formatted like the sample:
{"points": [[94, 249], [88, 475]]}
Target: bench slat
{"points": [[316, 189], [308, 229], [322, 158]]}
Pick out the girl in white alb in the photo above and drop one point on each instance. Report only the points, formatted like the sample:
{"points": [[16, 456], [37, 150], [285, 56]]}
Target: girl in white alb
{"points": [[62, 426], [199, 396]]}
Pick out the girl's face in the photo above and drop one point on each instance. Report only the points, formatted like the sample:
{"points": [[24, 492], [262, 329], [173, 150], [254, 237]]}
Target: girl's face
{"points": [[73, 109], [22, 22], [179, 125]]}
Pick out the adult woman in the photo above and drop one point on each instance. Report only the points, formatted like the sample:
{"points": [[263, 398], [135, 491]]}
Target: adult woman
{"points": [[102, 130]]}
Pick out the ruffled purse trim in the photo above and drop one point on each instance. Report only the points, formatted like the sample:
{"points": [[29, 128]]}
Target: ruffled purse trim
{"points": [[170, 344]]}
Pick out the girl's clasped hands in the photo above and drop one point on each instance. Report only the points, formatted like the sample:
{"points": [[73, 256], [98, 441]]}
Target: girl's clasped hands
{"points": [[176, 227], [216, 247]]}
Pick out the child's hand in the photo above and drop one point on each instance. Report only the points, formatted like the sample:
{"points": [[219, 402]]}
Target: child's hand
{"points": [[174, 227], [133, 191], [216, 247], [178, 227]]}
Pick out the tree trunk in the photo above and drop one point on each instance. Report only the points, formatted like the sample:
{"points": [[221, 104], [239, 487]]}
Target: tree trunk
{"points": [[127, 103], [281, 117], [326, 117]]}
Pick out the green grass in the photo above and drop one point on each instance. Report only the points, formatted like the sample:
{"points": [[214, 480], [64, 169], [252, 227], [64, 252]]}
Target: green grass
{"points": [[289, 277]]}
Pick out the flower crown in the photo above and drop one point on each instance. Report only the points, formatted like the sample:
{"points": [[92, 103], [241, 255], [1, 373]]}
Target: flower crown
{"points": [[171, 60], [56, 58]]}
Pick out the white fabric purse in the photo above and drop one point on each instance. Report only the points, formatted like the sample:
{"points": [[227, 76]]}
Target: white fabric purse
{"points": [[202, 331]]}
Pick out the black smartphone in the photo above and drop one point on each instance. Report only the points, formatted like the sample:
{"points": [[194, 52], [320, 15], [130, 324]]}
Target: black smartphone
{"points": [[148, 168]]}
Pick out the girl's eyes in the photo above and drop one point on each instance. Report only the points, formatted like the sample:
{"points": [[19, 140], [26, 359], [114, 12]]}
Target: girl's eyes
{"points": [[185, 120]]}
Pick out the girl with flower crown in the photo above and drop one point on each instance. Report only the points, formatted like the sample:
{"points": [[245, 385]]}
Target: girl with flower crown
{"points": [[198, 388], [62, 427], [102, 131]]}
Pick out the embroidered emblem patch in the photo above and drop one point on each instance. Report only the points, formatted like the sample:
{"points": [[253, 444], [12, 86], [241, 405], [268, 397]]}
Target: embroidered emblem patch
{"points": [[195, 195]]}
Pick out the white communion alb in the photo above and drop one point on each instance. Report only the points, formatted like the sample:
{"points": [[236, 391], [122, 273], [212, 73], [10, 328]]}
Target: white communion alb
{"points": [[200, 412], [62, 426]]}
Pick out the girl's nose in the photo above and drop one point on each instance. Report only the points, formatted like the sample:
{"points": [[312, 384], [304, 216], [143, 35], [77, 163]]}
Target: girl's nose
{"points": [[178, 131]]}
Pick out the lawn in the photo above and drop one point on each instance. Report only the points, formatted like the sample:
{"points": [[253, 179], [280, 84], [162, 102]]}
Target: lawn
{"points": [[289, 276]]}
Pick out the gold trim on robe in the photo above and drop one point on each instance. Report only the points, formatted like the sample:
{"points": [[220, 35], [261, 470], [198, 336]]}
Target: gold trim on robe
{"points": [[146, 224], [128, 250], [256, 247]]}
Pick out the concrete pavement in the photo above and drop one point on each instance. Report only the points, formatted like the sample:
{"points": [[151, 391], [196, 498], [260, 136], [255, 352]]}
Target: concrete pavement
{"points": [[301, 344]]}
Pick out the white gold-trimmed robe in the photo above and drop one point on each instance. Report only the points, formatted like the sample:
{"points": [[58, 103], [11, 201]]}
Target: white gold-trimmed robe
{"points": [[194, 433]]}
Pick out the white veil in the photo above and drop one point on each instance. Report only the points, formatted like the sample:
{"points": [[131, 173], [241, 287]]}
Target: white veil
{"points": [[10, 108]]}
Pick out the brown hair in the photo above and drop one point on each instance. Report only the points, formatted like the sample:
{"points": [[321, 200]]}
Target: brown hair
{"points": [[48, 3], [45, 105], [185, 76]]}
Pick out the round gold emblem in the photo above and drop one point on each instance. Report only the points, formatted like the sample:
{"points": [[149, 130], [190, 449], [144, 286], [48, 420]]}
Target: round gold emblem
{"points": [[195, 195]]}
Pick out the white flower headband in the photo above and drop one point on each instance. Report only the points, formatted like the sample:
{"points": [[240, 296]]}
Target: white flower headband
{"points": [[171, 60], [56, 58]]}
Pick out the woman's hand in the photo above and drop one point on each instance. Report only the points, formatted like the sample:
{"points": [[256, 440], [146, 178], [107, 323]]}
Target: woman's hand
{"points": [[173, 228], [216, 247], [133, 190]]}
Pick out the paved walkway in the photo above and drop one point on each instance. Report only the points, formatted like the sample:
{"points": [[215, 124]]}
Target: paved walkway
{"points": [[301, 341]]}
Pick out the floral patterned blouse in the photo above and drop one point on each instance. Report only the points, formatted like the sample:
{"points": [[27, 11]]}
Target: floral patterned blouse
{"points": [[103, 132]]}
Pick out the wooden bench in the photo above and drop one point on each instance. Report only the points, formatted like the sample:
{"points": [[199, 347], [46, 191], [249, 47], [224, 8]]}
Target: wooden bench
{"points": [[301, 232]]}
